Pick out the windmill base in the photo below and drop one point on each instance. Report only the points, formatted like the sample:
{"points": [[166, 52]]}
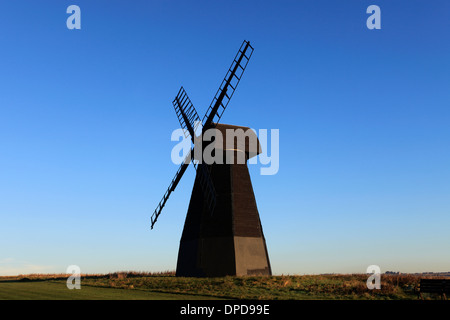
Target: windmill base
{"points": [[218, 257]]}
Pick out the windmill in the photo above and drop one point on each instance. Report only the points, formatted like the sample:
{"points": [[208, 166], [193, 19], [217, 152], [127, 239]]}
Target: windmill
{"points": [[222, 234]]}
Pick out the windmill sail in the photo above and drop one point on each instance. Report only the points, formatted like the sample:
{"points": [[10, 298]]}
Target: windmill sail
{"points": [[228, 85], [189, 121], [205, 182], [172, 186], [186, 113]]}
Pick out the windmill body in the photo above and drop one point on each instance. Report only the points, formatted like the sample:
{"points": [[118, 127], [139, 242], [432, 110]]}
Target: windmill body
{"points": [[222, 233], [229, 240]]}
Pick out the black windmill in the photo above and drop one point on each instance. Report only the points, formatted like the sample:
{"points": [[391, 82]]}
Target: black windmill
{"points": [[222, 232]]}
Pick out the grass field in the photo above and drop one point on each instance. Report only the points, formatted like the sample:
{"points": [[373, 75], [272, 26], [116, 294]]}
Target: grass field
{"points": [[134, 286], [57, 290]]}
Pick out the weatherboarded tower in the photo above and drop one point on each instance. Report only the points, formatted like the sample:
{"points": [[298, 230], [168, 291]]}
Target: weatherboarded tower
{"points": [[229, 240]]}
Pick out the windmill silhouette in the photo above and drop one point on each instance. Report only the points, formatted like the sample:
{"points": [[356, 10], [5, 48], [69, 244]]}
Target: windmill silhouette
{"points": [[222, 232]]}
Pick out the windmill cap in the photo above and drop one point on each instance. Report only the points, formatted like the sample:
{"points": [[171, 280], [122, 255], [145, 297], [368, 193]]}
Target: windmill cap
{"points": [[234, 139]]}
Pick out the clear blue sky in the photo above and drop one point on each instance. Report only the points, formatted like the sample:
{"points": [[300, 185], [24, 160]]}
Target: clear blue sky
{"points": [[364, 121]]}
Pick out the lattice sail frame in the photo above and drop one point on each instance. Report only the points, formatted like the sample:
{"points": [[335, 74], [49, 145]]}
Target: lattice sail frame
{"points": [[189, 121]]}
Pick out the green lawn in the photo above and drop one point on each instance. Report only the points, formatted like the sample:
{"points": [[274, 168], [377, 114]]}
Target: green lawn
{"points": [[133, 286], [348, 287], [57, 290]]}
